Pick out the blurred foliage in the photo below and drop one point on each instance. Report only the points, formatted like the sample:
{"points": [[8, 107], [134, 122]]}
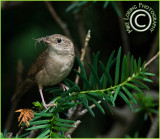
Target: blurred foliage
{"points": [[4, 134], [38, 105], [146, 104], [78, 6], [136, 135]]}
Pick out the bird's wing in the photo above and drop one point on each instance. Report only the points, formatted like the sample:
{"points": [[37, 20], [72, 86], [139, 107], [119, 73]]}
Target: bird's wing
{"points": [[38, 65]]}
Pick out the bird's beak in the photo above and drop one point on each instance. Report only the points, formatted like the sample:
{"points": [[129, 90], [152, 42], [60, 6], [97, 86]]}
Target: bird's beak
{"points": [[48, 42]]}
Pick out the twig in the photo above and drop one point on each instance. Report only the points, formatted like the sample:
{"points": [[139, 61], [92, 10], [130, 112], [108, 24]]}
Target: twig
{"points": [[21, 130], [83, 50], [126, 46], [151, 60], [68, 133], [5, 5], [10, 116], [154, 46], [81, 29], [150, 116], [60, 22], [82, 33], [9, 135], [72, 113], [83, 112], [19, 72], [15, 103], [153, 131], [33, 133]]}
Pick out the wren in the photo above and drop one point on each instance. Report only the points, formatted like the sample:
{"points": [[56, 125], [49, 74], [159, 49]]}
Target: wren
{"points": [[51, 67]]}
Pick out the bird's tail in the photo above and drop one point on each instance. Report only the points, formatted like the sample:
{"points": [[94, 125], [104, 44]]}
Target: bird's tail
{"points": [[22, 89]]}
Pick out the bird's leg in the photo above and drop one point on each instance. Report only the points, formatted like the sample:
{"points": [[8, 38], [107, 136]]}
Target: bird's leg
{"points": [[41, 93], [64, 87], [51, 104]]}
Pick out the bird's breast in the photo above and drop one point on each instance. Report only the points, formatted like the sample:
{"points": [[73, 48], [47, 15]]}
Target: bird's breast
{"points": [[56, 69]]}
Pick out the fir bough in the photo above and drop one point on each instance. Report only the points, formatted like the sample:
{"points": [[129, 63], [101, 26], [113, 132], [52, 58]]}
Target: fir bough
{"points": [[129, 76]]}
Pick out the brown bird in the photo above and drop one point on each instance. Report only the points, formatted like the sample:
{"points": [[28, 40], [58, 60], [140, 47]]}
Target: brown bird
{"points": [[51, 67]]}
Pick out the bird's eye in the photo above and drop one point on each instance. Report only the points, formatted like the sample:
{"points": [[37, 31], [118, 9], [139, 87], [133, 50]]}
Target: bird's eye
{"points": [[47, 38], [59, 40]]}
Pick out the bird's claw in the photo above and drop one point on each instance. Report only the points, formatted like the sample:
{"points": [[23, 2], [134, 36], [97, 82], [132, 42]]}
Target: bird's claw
{"points": [[64, 87], [51, 104]]}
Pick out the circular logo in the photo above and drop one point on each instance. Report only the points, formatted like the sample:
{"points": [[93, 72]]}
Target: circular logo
{"points": [[139, 15]]}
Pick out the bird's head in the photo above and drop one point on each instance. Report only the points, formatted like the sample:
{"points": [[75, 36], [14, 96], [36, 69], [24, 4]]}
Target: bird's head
{"points": [[59, 44]]}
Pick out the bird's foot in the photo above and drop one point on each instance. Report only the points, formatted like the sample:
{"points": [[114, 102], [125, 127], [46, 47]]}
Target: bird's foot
{"points": [[64, 87], [51, 104]]}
